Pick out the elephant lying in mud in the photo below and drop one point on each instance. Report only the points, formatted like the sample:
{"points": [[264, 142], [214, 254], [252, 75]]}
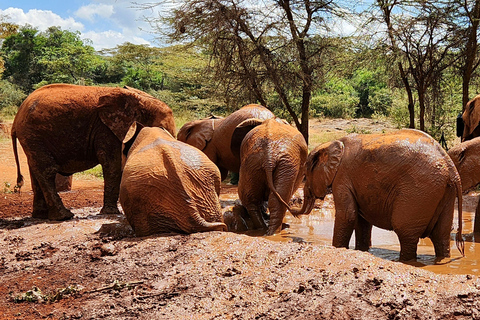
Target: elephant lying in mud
{"points": [[402, 181], [168, 186], [213, 135], [466, 157], [67, 128], [273, 155]]}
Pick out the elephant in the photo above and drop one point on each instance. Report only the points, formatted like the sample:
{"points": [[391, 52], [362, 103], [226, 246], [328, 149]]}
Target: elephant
{"points": [[466, 157], [402, 181], [167, 185], [213, 135], [471, 119], [66, 128], [273, 155]]}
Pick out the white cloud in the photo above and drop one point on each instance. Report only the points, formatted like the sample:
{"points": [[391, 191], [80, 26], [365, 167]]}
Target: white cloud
{"points": [[110, 39], [90, 11], [41, 19]]}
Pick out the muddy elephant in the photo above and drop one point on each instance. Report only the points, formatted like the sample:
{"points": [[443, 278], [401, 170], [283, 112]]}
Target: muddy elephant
{"points": [[168, 186], [402, 181], [273, 156], [466, 157], [471, 119], [213, 135], [67, 128]]}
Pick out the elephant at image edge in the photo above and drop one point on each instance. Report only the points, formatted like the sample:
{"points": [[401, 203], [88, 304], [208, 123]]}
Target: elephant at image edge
{"points": [[213, 135], [402, 181], [273, 156], [168, 186], [471, 119], [68, 128], [466, 157]]}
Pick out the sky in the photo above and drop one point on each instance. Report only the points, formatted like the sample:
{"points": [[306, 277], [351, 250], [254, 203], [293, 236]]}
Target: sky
{"points": [[107, 23]]}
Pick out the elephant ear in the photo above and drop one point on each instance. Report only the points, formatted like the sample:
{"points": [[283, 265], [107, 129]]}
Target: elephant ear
{"points": [[117, 111], [197, 133], [130, 137], [240, 132], [471, 116], [328, 158]]}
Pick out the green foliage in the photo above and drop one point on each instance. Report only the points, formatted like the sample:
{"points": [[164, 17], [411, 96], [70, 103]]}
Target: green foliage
{"points": [[337, 100], [10, 97], [34, 58]]}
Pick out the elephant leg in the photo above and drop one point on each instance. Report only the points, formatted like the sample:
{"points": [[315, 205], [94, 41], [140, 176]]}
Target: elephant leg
{"points": [[40, 208], [476, 226], [45, 181], [346, 212], [112, 175], [363, 234], [255, 214], [440, 234]]}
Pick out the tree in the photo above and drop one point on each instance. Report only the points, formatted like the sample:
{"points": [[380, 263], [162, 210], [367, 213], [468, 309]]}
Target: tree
{"points": [[423, 41], [34, 58], [260, 50]]}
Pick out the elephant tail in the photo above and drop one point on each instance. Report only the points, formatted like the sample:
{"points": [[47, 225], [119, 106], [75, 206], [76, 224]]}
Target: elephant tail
{"points": [[459, 238], [20, 180], [269, 174]]}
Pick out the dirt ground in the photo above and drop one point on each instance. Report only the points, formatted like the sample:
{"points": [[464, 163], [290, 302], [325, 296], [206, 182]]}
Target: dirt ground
{"points": [[92, 267]]}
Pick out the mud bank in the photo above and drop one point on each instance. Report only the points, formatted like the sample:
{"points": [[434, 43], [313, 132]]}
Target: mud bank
{"points": [[106, 273]]}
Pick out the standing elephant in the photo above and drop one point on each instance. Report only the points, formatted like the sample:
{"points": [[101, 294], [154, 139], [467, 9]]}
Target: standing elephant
{"points": [[168, 186], [68, 128], [471, 119], [466, 157], [213, 135], [273, 155], [402, 181]]}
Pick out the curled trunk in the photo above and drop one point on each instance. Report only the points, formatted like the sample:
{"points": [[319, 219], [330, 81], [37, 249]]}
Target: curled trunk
{"points": [[308, 204]]}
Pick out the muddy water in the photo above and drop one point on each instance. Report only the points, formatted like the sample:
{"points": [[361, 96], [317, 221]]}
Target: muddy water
{"points": [[317, 228]]}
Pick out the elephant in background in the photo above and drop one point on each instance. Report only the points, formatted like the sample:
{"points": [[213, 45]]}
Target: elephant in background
{"points": [[213, 135], [471, 119], [402, 181], [168, 186], [273, 156], [466, 157], [67, 128]]}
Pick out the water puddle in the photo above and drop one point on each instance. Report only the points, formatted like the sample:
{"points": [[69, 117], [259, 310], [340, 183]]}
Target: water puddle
{"points": [[317, 228]]}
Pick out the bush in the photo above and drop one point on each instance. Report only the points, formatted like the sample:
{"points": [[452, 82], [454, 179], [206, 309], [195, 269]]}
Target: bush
{"points": [[11, 97], [334, 105]]}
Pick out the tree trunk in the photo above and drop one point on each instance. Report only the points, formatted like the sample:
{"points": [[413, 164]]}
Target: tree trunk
{"points": [[411, 105]]}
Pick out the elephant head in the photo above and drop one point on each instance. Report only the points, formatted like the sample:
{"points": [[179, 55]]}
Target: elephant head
{"points": [[471, 119], [321, 166], [119, 108], [198, 133]]}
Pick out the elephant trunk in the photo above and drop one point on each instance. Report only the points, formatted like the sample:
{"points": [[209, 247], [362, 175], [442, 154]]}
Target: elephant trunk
{"points": [[308, 203]]}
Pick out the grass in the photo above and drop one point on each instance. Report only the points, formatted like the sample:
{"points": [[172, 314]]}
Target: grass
{"points": [[94, 173], [317, 138]]}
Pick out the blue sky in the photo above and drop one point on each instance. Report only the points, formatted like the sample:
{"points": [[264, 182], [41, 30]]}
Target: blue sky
{"points": [[106, 23]]}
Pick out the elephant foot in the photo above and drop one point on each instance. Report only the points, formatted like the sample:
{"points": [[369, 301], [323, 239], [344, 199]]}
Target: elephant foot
{"points": [[40, 213], [110, 210], [60, 215]]}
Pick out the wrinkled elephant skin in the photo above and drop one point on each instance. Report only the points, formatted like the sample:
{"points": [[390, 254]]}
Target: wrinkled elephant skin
{"points": [[402, 181], [471, 119], [68, 128], [213, 135], [169, 186], [273, 156], [466, 157]]}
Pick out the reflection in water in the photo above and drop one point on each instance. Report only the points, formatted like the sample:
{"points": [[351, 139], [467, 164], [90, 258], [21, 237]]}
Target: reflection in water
{"points": [[317, 228]]}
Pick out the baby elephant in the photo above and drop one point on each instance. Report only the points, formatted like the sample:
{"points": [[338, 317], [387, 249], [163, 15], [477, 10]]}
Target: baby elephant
{"points": [[466, 157], [402, 181], [272, 155], [168, 186]]}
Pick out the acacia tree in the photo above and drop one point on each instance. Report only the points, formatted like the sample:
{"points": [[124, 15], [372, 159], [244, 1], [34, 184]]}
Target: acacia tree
{"points": [[423, 41], [260, 47]]}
